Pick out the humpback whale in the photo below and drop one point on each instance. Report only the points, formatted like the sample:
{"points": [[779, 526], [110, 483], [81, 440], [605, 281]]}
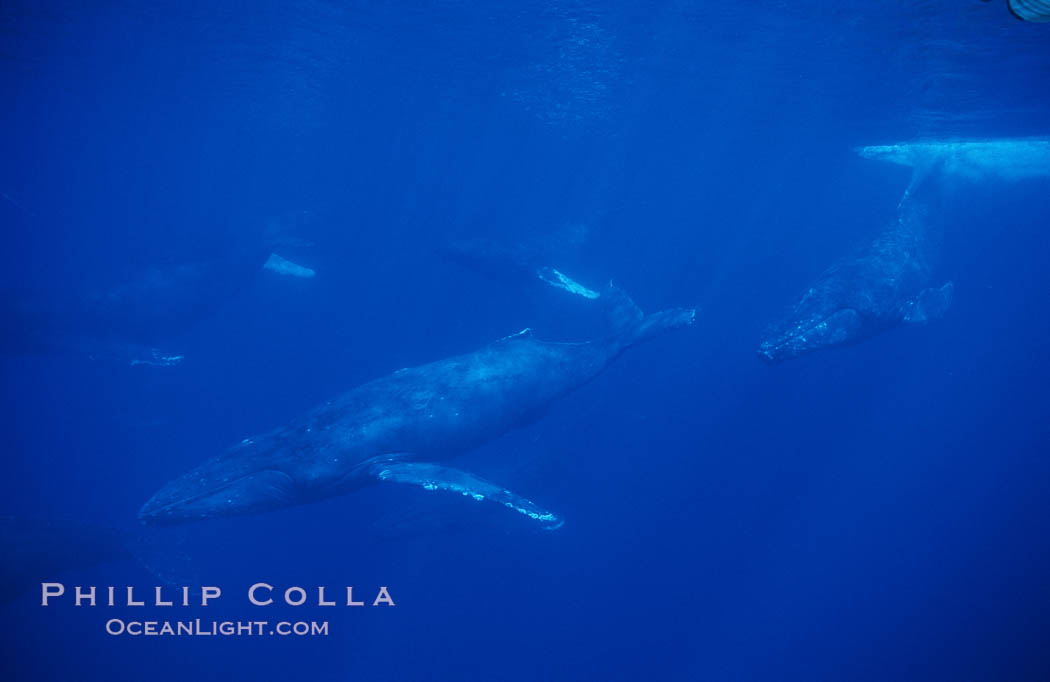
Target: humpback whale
{"points": [[37, 549], [399, 427], [891, 281], [128, 320], [125, 317]]}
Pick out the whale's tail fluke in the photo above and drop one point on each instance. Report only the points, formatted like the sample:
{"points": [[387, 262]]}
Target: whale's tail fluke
{"points": [[632, 326], [663, 321]]}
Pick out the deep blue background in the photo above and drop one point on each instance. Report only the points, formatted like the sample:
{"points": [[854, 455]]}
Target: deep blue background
{"points": [[874, 512]]}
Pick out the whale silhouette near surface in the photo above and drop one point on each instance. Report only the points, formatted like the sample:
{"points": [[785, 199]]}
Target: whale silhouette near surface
{"points": [[892, 280]]}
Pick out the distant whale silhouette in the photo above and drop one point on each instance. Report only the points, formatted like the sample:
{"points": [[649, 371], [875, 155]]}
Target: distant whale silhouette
{"points": [[35, 550], [891, 281], [394, 428], [128, 317]]}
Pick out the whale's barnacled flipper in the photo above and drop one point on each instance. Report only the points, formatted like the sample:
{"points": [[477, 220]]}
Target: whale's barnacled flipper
{"points": [[435, 477], [559, 280]]}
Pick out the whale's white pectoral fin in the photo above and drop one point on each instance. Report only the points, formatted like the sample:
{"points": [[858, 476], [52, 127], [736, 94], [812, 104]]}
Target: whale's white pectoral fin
{"points": [[930, 304], [283, 266], [435, 477], [559, 280]]}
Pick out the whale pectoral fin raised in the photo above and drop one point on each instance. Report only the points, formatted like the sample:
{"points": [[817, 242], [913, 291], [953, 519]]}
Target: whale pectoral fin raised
{"points": [[930, 304], [435, 477]]}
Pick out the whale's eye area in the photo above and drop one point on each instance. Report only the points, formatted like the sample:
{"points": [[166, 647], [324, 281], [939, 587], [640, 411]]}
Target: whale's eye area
{"points": [[841, 327]]}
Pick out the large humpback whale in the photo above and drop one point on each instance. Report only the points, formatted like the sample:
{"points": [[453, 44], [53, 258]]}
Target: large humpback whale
{"points": [[891, 281], [395, 428]]}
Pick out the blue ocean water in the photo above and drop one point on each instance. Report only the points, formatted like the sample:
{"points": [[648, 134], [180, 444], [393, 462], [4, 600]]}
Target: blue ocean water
{"points": [[869, 512]]}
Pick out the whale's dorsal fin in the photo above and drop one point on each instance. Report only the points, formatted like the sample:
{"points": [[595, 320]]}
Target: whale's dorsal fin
{"points": [[436, 477]]}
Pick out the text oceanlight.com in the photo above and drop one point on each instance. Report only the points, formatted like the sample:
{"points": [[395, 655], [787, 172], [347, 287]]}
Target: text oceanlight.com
{"points": [[227, 628]]}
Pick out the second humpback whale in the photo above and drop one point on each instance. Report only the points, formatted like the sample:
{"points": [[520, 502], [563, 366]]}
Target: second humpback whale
{"points": [[891, 281], [395, 428], [126, 313]]}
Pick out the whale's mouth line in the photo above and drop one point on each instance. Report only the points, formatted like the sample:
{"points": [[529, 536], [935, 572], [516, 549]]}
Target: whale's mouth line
{"points": [[796, 335], [148, 512], [796, 340]]}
